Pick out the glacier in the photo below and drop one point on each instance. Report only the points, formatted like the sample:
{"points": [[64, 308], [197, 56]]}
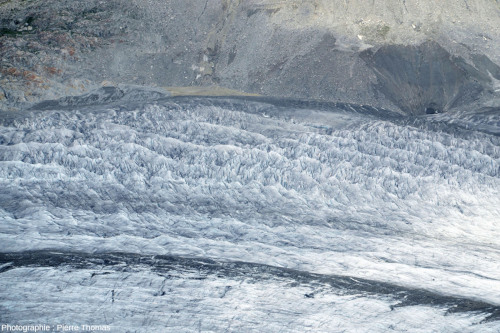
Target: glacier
{"points": [[189, 214]]}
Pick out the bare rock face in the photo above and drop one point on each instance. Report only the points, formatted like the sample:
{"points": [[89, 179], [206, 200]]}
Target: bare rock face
{"points": [[428, 78], [403, 55]]}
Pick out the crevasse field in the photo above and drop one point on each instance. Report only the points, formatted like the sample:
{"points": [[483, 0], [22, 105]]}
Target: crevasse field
{"points": [[250, 215]]}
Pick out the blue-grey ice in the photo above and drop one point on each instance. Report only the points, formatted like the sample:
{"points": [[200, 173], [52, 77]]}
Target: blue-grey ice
{"points": [[258, 208]]}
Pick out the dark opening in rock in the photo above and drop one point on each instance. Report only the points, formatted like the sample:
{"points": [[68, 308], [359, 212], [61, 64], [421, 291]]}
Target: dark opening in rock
{"points": [[431, 110]]}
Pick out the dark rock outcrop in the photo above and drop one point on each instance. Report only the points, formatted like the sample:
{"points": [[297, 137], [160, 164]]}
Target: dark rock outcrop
{"points": [[428, 79]]}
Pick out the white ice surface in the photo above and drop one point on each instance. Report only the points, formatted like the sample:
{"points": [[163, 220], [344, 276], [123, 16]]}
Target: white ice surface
{"points": [[143, 301], [327, 192]]}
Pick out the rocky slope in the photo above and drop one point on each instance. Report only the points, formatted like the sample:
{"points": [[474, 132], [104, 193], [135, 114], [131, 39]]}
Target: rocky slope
{"points": [[403, 55]]}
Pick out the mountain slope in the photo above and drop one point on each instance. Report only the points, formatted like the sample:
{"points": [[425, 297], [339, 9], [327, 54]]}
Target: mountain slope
{"points": [[311, 49]]}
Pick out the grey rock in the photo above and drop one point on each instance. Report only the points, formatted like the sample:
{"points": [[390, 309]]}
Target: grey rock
{"points": [[426, 78], [314, 49], [104, 95]]}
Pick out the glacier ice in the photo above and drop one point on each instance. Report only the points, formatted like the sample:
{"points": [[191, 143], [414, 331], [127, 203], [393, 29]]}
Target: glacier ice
{"points": [[343, 190]]}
